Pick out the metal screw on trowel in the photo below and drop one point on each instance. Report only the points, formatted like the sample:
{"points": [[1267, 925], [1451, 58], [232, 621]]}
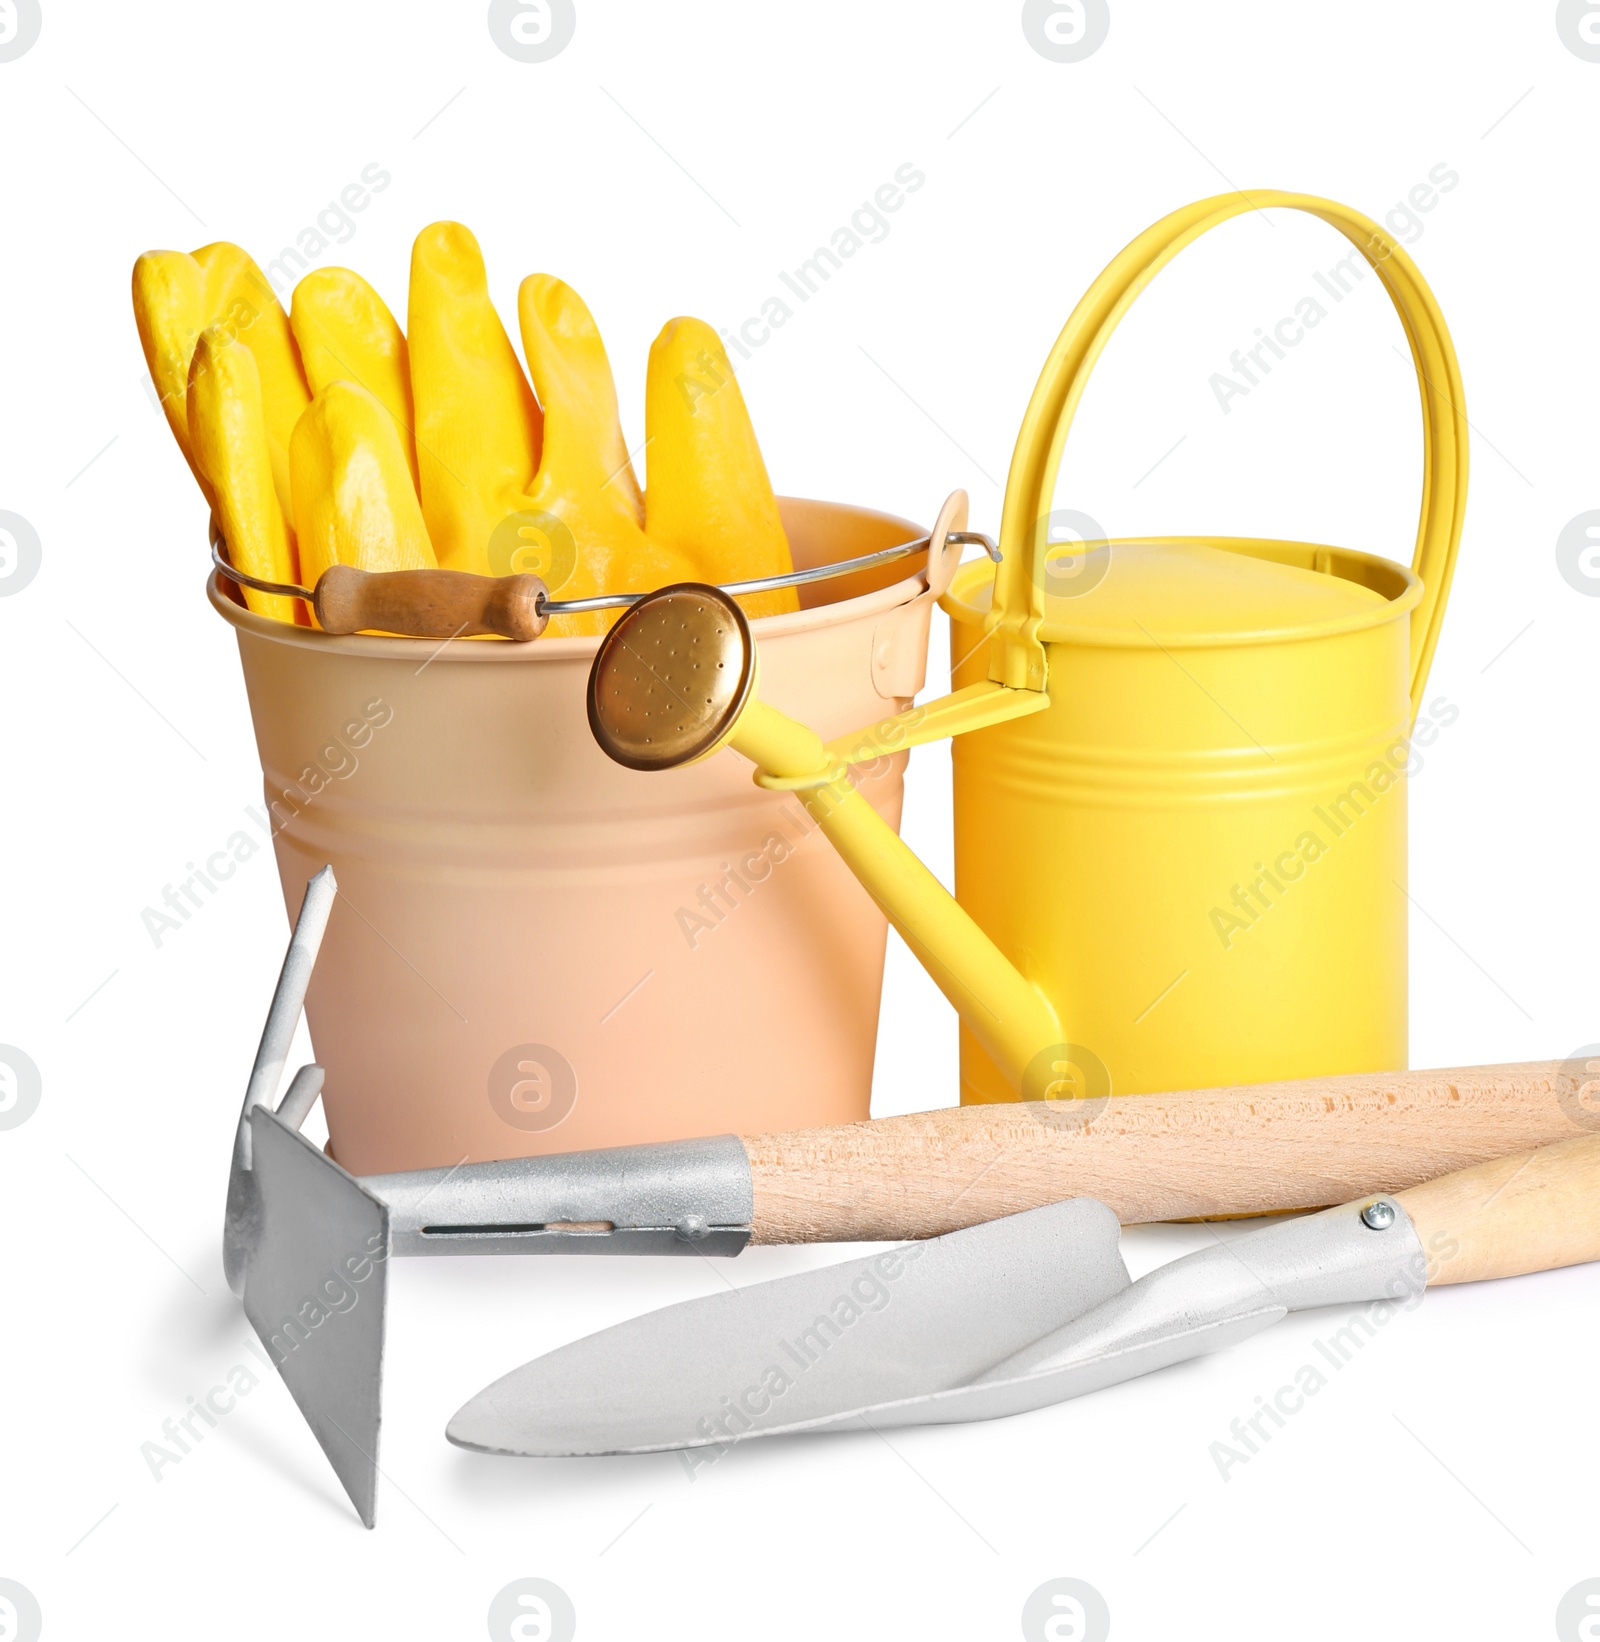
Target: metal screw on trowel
{"points": [[1379, 1216]]}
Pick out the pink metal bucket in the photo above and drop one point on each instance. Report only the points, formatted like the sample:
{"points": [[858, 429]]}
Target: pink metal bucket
{"points": [[535, 950]]}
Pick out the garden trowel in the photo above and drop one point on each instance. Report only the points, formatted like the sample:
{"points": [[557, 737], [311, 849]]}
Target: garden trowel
{"points": [[1014, 1315]]}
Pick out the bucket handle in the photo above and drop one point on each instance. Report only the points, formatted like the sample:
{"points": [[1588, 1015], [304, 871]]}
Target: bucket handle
{"points": [[1016, 655]]}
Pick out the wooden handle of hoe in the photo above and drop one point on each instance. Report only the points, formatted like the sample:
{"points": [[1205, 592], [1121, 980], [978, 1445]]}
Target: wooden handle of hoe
{"points": [[1234, 1151], [429, 604], [1533, 1212]]}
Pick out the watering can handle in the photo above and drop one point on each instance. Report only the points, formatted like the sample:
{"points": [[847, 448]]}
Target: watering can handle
{"points": [[1016, 653]]}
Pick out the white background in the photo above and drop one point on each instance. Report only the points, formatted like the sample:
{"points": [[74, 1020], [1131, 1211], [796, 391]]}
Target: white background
{"points": [[1443, 1484]]}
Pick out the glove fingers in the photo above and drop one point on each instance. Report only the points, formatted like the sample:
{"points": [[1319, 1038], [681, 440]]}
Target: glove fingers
{"points": [[584, 449], [709, 496], [585, 480], [239, 297], [347, 334], [478, 427], [169, 309], [228, 430], [353, 498], [433, 449]]}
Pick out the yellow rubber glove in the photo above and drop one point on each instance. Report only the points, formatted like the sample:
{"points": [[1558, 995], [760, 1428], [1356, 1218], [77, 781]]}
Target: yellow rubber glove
{"points": [[353, 499], [709, 497], [347, 334], [175, 297], [169, 307], [224, 419], [585, 481], [478, 430]]}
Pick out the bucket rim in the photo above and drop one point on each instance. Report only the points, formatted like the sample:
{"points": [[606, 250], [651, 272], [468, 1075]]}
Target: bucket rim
{"points": [[584, 646], [1370, 570]]}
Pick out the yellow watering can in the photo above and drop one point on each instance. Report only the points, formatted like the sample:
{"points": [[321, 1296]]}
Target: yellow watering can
{"points": [[1180, 765]]}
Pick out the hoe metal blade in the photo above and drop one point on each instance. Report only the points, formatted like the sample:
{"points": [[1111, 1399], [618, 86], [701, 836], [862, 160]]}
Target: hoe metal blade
{"points": [[304, 1245], [315, 1286]]}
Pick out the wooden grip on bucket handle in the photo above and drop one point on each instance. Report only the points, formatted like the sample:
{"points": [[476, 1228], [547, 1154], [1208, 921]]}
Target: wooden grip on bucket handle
{"points": [[429, 604], [1016, 654]]}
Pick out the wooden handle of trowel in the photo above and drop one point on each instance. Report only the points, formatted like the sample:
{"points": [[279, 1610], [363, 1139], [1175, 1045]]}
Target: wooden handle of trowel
{"points": [[1532, 1212], [1231, 1151], [429, 604]]}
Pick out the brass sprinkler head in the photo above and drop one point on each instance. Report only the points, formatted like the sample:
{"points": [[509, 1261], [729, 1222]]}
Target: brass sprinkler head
{"points": [[671, 677]]}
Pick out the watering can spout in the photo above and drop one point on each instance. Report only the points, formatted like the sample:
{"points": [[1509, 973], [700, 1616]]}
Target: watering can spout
{"points": [[675, 680]]}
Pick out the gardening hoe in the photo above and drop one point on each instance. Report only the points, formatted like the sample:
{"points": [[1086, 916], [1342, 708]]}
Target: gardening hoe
{"points": [[1016, 1315], [306, 1244]]}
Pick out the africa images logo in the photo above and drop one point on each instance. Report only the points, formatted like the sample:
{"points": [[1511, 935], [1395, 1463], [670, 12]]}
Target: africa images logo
{"points": [[533, 1086], [20, 22]]}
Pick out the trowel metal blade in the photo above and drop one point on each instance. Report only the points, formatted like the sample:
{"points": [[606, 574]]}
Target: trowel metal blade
{"points": [[1200, 1303], [912, 1321], [996, 1399], [315, 1284]]}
